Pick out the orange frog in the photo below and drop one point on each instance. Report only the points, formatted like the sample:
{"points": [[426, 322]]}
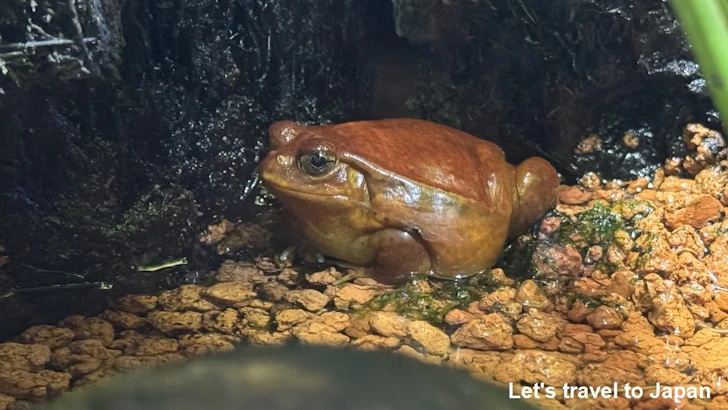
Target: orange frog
{"points": [[404, 196]]}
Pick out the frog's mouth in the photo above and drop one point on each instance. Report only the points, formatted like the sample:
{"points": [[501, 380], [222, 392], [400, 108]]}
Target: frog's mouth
{"points": [[283, 192], [306, 194], [276, 186]]}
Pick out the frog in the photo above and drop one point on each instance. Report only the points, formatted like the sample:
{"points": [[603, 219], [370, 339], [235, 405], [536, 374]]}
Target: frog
{"points": [[404, 196]]}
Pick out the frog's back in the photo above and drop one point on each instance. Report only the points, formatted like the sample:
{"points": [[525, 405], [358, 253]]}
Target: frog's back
{"points": [[424, 152]]}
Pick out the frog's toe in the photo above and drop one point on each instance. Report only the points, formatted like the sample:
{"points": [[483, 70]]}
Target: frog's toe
{"points": [[287, 255], [320, 258]]}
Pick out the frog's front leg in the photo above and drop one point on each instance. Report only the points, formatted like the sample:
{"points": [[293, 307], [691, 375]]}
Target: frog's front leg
{"points": [[298, 247], [399, 256]]}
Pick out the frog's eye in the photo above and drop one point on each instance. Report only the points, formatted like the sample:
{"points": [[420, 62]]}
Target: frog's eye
{"points": [[317, 163]]}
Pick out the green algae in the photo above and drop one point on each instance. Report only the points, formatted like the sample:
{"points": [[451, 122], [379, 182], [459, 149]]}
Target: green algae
{"points": [[597, 226], [593, 302], [420, 299]]}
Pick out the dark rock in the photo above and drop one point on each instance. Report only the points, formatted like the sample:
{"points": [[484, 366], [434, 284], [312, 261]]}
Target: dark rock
{"points": [[117, 158], [550, 73]]}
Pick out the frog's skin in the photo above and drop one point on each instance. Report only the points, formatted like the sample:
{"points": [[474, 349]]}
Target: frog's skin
{"points": [[404, 196]]}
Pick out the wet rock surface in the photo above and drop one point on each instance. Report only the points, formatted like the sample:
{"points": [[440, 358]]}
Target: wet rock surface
{"points": [[612, 112], [119, 149], [626, 288], [278, 378]]}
